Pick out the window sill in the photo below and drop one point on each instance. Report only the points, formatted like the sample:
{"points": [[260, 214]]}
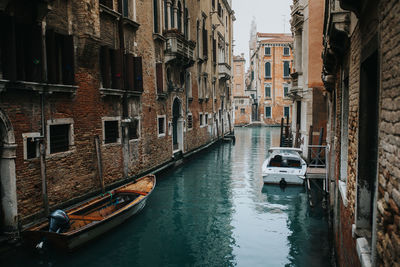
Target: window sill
{"points": [[286, 77], [37, 87], [161, 135], [267, 77], [112, 144], [109, 11], [133, 140], [162, 96], [58, 155], [364, 251], [129, 22], [111, 92], [343, 192]]}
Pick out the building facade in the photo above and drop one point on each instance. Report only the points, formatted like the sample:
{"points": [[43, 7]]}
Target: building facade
{"points": [[241, 98], [269, 76], [99, 92], [307, 92], [361, 77]]}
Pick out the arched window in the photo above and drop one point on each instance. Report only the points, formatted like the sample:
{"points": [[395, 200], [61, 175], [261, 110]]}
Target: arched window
{"points": [[186, 24], [268, 69], [179, 17], [172, 14], [155, 14]]}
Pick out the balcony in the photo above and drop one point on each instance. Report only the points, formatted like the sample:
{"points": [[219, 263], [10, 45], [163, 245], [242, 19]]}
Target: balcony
{"points": [[178, 49], [224, 71]]}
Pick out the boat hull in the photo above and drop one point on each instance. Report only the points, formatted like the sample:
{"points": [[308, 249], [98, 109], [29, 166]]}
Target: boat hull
{"points": [[289, 179], [97, 225]]}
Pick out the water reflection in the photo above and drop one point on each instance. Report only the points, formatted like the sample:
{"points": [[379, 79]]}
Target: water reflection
{"points": [[214, 211]]}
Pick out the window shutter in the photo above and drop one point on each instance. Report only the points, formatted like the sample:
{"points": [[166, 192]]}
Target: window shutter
{"points": [[68, 60], [205, 43], [105, 66], [137, 68], [159, 73], [51, 56], [129, 79], [214, 50], [116, 69], [34, 61]]}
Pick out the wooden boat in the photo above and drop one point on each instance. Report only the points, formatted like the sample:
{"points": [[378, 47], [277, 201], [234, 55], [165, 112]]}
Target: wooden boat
{"points": [[96, 216]]}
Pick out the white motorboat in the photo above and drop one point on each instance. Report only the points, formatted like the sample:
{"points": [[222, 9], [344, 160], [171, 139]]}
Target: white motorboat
{"points": [[284, 166]]}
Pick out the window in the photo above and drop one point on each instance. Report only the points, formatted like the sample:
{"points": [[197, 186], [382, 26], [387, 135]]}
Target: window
{"points": [[201, 119], [286, 51], [190, 121], [285, 90], [206, 119], [268, 70], [59, 138], [112, 70], [179, 17], [286, 69], [31, 145], [111, 132], [133, 129], [161, 125], [155, 15], [159, 78], [205, 40], [236, 107], [286, 111], [268, 112], [267, 51], [186, 23], [242, 111], [171, 12], [60, 58], [267, 88], [166, 14]]}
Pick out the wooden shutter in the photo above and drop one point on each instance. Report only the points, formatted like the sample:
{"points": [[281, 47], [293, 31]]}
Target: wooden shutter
{"points": [[116, 69], [137, 68], [205, 43], [68, 59], [10, 58], [34, 59], [160, 76], [129, 79], [51, 56], [105, 66]]}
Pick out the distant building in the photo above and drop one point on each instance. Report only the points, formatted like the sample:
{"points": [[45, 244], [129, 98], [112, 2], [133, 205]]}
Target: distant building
{"points": [[309, 101], [241, 99], [269, 77]]}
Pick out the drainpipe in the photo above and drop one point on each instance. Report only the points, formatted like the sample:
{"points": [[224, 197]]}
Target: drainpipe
{"points": [[42, 145]]}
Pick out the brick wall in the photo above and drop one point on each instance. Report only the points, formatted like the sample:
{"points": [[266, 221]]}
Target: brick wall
{"points": [[388, 216]]}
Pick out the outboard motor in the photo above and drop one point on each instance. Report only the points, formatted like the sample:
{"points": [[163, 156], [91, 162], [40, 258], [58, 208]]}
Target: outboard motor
{"points": [[282, 183], [58, 223]]}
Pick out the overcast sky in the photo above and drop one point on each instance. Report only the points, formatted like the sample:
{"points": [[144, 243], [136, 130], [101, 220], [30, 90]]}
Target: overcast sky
{"points": [[272, 16]]}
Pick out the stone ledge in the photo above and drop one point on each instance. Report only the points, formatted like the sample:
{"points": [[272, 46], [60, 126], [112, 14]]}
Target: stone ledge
{"points": [[364, 252]]}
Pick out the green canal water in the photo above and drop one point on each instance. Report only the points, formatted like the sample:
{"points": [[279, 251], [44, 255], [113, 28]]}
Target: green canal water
{"points": [[213, 211]]}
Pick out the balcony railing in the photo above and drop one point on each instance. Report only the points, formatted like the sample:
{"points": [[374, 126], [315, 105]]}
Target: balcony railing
{"points": [[178, 48], [224, 71]]}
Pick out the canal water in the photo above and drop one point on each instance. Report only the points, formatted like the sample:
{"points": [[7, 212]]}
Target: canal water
{"points": [[213, 211]]}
